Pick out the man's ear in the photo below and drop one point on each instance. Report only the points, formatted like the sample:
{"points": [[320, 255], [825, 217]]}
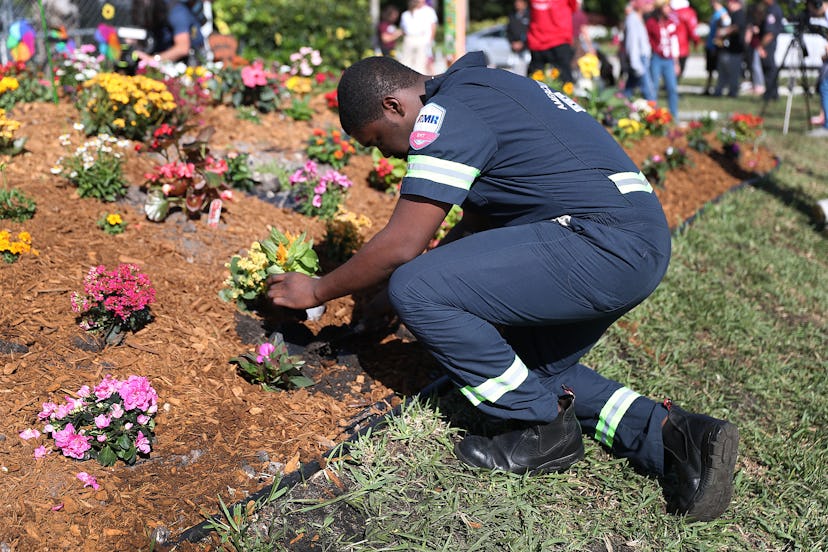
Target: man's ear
{"points": [[393, 105]]}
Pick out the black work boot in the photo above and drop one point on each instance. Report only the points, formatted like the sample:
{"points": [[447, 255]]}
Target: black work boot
{"points": [[699, 459], [532, 449]]}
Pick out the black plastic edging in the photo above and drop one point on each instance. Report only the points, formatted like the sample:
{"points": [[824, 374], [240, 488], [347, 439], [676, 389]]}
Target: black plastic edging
{"points": [[749, 182], [201, 531]]}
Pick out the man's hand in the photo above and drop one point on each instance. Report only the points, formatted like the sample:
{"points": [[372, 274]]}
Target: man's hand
{"points": [[292, 290]]}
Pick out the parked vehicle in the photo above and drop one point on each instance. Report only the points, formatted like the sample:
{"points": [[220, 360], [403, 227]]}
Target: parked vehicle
{"points": [[492, 42]]}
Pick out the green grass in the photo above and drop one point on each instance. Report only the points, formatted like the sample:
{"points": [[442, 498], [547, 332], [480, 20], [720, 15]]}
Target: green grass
{"points": [[737, 329]]}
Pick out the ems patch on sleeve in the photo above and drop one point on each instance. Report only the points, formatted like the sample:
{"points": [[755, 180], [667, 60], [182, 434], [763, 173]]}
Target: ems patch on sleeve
{"points": [[427, 126]]}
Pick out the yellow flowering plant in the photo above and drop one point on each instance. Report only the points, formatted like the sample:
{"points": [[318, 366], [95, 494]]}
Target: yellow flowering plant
{"points": [[552, 78], [11, 249], [276, 254], [628, 130], [10, 144], [112, 223], [123, 105], [344, 236]]}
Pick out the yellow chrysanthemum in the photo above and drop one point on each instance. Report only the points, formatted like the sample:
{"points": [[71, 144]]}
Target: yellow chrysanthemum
{"points": [[114, 219]]}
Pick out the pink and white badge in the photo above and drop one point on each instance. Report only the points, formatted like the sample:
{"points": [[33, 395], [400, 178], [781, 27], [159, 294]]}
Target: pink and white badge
{"points": [[427, 127]]}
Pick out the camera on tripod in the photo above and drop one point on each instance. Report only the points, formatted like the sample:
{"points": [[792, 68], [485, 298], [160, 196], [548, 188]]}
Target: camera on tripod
{"points": [[808, 19]]}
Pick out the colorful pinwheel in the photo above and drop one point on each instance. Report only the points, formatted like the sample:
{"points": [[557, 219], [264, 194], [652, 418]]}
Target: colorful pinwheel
{"points": [[21, 41], [109, 45]]}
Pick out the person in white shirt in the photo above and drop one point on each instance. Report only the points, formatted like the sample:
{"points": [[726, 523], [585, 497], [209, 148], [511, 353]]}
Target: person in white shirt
{"points": [[419, 26]]}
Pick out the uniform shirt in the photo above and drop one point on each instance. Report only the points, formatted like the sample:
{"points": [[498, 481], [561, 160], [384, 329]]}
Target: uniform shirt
{"points": [[513, 149], [550, 23], [771, 25], [179, 20]]}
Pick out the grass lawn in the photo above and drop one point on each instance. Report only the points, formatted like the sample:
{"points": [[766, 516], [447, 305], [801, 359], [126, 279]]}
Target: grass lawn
{"points": [[737, 330]]}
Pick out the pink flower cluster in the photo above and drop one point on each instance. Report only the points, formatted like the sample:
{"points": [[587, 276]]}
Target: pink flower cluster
{"points": [[330, 181], [121, 293], [112, 420], [254, 75]]}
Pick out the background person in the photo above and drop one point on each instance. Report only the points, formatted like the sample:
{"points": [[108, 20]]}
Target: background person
{"points": [[518, 26], [732, 51], [818, 12], [718, 19], [388, 33], [769, 29], [686, 31], [419, 27], [550, 36], [755, 15], [662, 29], [638, 51], [561, 235], [173, 32]]}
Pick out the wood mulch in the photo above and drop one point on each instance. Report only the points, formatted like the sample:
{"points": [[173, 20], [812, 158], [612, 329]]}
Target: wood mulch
{"points": [[216, 433]]}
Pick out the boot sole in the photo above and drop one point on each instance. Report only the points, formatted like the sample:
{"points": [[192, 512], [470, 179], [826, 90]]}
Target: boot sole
{"points": [[716, 487]]}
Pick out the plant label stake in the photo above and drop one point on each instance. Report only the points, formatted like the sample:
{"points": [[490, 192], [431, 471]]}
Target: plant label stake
{"points": [[215, 213]]}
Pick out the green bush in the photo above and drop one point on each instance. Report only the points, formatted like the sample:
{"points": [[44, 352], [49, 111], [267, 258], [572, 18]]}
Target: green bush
{"points": [[273, 30]]}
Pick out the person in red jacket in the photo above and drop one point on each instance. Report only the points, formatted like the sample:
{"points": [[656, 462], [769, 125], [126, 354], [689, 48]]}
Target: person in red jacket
{"points": [[686, 31], [549, 36]]}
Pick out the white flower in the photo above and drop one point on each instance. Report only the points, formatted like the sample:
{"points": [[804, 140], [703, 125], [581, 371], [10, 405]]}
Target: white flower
{"points": [[78, 126]]}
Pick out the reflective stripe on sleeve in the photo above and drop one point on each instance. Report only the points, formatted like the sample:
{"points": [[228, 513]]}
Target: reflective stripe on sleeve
{"points": [[492, 389], [441, 171], [611, 414], [627, 182]]}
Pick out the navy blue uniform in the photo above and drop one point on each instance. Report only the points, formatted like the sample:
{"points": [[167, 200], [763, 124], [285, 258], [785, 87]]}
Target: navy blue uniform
{"points": [[578, 239]]}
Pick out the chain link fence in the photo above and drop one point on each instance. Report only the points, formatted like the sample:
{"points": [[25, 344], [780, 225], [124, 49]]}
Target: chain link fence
{"points": [[21, 20]]}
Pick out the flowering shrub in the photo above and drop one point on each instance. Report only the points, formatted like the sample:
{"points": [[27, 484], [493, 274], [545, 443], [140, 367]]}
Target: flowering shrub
{"points": [[589, 66], [276, 254], [272, 367], [238, 174], [656, 166], [95, 168], [9, 145], [628, 130], [124, 105], [112, 421], [20, 83], [112, 224], [191, 178], [343, 236], [386, 173], [740, 128], [657, 121], [299, 109], [696, 138], [318, 196], [114, 301], [331, 147], [15, 205], [11, 250], [76, 67], [332, 100], [454, 216], [253, 86]]}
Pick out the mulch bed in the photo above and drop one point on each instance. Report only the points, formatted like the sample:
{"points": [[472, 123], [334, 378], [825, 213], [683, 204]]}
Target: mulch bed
{"points": [[216, 433]]}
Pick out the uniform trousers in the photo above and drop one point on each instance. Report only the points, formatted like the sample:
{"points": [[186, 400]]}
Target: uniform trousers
{"points": [[509, 312]]}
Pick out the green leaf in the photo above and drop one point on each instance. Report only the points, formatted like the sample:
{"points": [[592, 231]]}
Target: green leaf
{"points": [[124, 442], [106, 457]]}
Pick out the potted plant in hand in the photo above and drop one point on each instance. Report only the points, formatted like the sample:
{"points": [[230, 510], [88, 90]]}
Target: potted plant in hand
{"points": [[276, 254]]}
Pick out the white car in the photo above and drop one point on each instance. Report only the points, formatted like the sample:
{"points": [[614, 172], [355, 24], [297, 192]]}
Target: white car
{"points": [[492, 42]]}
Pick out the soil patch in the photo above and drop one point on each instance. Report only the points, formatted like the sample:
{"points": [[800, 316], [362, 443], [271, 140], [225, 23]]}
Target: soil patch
{"points": [[216, 433]]}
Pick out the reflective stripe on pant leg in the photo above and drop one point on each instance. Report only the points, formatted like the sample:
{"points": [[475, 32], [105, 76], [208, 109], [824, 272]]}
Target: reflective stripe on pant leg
{"points": [[494, 388], [611, 414]]}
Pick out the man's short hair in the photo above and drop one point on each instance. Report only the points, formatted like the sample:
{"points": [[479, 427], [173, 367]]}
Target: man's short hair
{"points": [[363, 86]]}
